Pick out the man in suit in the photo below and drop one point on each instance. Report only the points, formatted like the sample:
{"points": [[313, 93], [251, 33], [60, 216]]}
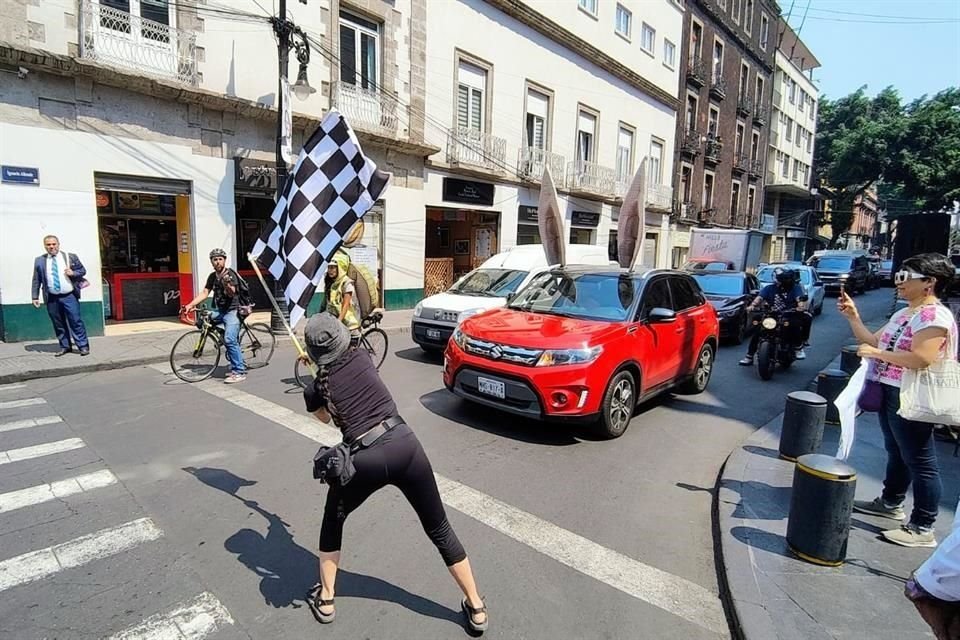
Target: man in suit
{"points": [[59, 276]]}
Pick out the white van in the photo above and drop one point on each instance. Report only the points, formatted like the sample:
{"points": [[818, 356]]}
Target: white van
{"points": [[487, 287]]}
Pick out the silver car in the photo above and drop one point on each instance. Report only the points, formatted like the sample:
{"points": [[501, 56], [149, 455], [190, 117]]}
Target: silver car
{"points": [[809, 280]]}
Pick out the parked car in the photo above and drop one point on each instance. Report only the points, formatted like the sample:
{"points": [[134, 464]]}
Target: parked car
{"points": [[435, 317], [885, 273], [838, 268], [730, 292], [809, 280], [586, 343], [707, 264]]}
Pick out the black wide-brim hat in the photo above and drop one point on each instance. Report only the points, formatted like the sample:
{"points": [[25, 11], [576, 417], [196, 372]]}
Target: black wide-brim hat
{"points": [[327, 338]]}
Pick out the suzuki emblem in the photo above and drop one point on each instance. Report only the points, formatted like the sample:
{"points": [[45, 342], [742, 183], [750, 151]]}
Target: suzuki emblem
{"points": [[496, 352]]}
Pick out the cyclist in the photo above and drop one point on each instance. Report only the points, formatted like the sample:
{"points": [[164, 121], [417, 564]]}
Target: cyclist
{"points": [[224, 282], [340, 295]]}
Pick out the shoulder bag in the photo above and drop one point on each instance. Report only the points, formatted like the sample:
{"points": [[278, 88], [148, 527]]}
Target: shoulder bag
{"points": [[932, 394]]}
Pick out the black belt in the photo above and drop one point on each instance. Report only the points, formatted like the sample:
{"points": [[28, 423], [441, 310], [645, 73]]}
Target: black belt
{"points": [[374, 434]]}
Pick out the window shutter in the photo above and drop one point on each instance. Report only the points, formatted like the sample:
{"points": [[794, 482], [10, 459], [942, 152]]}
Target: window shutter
{"points": [[463, 106], [348, 55], [476, 110]]}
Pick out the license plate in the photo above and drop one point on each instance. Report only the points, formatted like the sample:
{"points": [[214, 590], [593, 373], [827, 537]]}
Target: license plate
{"points": [[491, 387], [433, 334]]}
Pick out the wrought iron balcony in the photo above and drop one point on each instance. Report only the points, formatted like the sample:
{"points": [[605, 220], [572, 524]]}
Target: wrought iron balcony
{"points": [[686, 211], [744, 105], [366, 109], [532, 161], [590, 177], [760, 115], [690, 144], [696, 73], [741, 162], [122, 39], [476, 148], [713, 150], [756, 168], [718, 88]]}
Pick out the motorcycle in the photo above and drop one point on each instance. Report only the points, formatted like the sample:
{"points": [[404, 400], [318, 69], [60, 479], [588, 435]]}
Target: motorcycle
{"points": [[778, 340]]}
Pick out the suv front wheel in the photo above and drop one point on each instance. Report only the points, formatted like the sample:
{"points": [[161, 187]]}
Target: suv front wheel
{"points": [[619, 401]]}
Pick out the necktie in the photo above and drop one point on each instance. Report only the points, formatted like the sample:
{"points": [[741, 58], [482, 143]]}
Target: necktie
{"points": [[55, 271]]}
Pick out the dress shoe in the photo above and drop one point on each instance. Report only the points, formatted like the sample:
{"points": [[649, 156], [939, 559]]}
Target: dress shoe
{"points": [[62, 352], [84, 352]]}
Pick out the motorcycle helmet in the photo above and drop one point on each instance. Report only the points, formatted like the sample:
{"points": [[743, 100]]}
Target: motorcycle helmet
{"points": [[218, 253], [786, 277]]}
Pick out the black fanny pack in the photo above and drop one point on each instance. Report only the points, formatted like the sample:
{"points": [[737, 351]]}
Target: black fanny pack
{"points": [[334, 465]]}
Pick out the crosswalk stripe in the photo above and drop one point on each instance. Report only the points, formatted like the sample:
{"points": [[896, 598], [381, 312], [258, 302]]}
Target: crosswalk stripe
{"points": [[40, 450], [654, 586], [25, 402], [11, 387], [60, 489], [188, 621], [29, 422], [36, 565]]}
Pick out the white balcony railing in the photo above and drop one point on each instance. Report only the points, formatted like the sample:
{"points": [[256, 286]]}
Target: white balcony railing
{"points": [[476, 148], [126, 40], [768, 223], [532, 161], [659, 196], [591, 177], [366, 109]]}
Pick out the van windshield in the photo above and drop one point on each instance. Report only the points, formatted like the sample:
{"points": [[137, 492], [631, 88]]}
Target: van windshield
{"points": [[833, 264], [491, 283]]}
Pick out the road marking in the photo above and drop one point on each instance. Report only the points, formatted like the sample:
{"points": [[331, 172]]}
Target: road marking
{"points": [[29, 422], [11, 387], [60, 489], [40, 450], [666, 591], [189, 621], [35, 565], [26, 402]]}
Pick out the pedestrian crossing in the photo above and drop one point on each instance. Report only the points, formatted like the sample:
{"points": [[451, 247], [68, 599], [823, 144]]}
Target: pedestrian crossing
{"points": [[92, 552]]}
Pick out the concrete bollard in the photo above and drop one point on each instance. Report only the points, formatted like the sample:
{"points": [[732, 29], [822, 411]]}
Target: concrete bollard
{"points": [[802, 432], [821, 504], [830, 382], [849, 360]]}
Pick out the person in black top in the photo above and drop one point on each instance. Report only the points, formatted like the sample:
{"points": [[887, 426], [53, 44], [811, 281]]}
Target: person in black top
{"points": [[225, 283], [349, 392]]}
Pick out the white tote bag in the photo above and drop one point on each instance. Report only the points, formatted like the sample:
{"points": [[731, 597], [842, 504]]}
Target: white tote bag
{"points": [[932, 394]]}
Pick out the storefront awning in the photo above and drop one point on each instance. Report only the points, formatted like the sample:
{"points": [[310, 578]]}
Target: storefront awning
{"points": [[115, 182]]}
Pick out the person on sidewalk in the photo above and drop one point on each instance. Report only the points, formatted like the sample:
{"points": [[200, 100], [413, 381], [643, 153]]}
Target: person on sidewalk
{"points": [[349, 391], [934, 588], [913, 338], [59, 276], [786, 294], [225, 284]]}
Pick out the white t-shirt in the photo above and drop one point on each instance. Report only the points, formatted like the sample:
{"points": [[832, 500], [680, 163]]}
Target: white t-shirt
{"points": [[927, 316]]}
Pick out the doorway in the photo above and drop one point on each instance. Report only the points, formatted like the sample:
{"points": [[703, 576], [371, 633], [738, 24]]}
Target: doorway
{"points": [[457, 241]]}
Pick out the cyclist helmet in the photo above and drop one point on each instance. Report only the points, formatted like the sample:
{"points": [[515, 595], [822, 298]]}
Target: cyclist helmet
{"points": [[218, 253], [786, 277]]}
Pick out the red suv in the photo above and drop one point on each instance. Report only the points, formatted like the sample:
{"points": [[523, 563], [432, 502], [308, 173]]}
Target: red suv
{"points": [[583, 342]]}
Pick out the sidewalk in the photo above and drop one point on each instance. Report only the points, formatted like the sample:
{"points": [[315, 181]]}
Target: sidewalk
{"points": [[774, 595], [128, 345]]}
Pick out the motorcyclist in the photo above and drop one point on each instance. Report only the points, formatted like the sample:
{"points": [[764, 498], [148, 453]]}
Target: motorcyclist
{"points": [[784, 294]]}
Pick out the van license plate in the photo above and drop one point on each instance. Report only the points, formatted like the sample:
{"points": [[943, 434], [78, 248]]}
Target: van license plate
{"points": [[491, 387], [433, 334]]}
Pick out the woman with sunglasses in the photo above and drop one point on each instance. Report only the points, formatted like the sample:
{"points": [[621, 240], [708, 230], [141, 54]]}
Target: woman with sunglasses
{"points": [[914, 338]]}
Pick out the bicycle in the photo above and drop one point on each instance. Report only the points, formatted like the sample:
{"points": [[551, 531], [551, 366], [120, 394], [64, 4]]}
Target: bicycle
{"points": [[196, 354], [373, 339]]}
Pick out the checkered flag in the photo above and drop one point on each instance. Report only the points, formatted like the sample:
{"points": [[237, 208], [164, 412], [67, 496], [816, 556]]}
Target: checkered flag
{"points": [[332, 185]]}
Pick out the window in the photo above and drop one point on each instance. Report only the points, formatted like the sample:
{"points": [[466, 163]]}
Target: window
{"points": [[755, 147], [590, 6], [624, 153], [744, 80], [803, 100], [648, 39], [748, 16], [751, 201], [738, 143], [657, 294], [624, 21], [789, 130], [708, 191], [586, 135], [696, 41], [686, 182], [734, 202], [691, 113], [759, 92], [785, 172], [713, 123], [801, 135], [717, 60], [735, 10], [796, 171], [791, 90], [155, 10], [764, 31], [359, 51], [810, 143], [655, 167], [538, 112], [471, 89], [669, 53], [685, 295]]}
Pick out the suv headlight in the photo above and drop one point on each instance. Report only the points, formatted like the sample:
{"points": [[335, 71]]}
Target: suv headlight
{"points": [[463, 315], [417, 310], [769, 323], [553, 357], [459, 338], [844, 276]]}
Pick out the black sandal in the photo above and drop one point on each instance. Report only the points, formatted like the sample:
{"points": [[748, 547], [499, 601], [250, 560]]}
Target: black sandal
{"points": [[315, 602], [470, 612]]}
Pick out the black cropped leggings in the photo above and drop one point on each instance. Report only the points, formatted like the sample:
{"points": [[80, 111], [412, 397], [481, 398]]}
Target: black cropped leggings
{"points": [[396, 458]]}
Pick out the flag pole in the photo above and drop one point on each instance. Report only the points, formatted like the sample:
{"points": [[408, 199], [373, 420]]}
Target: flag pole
{"points": [[276, 306]]}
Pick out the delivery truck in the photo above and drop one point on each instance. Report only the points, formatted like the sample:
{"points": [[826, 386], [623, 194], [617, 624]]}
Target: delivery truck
{"points": [[737, 249]]}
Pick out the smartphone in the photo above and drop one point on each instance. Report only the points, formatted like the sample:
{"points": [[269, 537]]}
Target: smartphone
{"points": [[842, 292]]}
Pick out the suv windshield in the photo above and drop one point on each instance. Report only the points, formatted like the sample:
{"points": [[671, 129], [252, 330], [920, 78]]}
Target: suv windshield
{"points": [[719, 285], [834, 264], [589, 296], [491, 283], [767, 274]]}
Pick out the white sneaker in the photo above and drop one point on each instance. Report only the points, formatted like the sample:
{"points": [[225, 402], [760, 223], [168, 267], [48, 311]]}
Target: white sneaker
{"points": [[234, 378], [801, 354]]}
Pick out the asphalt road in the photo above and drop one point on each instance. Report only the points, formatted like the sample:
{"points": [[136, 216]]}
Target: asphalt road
{"points": [[130, 501]]}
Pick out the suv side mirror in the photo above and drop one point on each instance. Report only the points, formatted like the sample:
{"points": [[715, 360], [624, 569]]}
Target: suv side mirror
{"points": [[660, 315]]}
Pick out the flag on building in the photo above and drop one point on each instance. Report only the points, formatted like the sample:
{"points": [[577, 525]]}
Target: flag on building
{"points": [[330, 188]]}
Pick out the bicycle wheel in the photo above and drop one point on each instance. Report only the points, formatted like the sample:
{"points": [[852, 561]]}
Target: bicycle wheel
{"points": [[302, 373], [375, 341], [257, 343], [195, 356]]}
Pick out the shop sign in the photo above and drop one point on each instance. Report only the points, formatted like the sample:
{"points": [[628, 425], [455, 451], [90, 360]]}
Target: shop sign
{"points": [[255, 175], [585, 219], [21, 175], [467, 191], [527, 214], [796, 234]]}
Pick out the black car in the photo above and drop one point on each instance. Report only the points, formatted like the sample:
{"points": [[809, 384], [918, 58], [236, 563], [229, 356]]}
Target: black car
{"points": [[885, 275], [730, 292], [851, 271]]}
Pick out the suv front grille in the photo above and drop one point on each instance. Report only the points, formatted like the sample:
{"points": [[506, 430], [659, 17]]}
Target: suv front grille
{"points": [[502, 352], [439, 315]]}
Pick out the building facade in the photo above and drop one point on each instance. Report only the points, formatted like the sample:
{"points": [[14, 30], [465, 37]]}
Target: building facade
{"points": [[791, 199], [864, 233], [728, 59]]}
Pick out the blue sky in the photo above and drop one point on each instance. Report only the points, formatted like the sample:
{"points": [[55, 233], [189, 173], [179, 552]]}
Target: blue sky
{"points": [[913, 45]]}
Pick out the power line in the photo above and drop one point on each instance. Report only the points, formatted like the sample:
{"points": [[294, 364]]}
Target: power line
{"points": [[874, 15]]}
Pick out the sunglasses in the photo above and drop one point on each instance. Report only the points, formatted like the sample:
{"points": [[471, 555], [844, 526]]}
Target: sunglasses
{"points": [[902, 276]]}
